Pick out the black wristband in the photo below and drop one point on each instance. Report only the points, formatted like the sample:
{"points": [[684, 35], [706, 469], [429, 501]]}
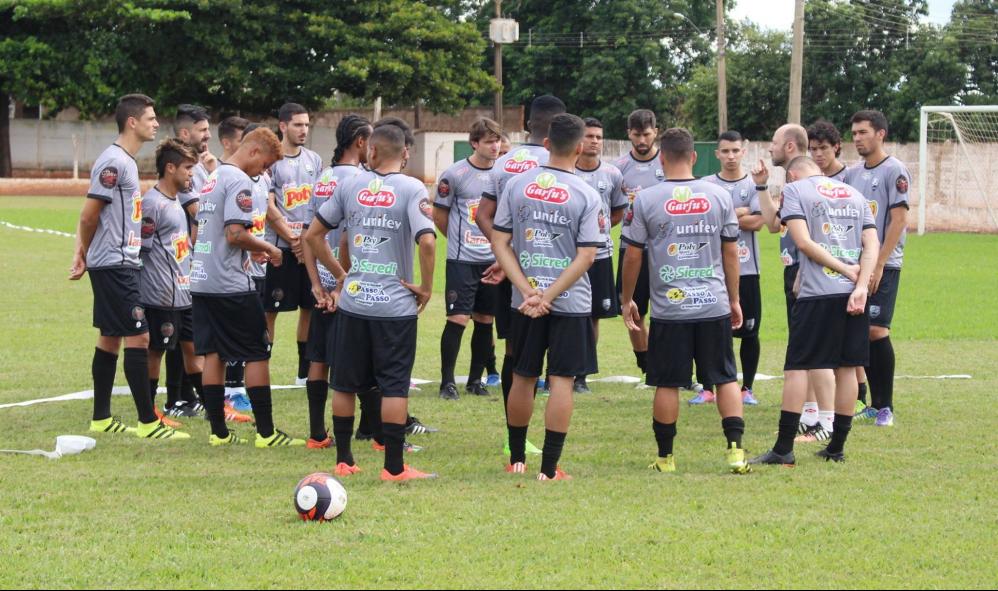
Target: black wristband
{"points": [[762, 187]]}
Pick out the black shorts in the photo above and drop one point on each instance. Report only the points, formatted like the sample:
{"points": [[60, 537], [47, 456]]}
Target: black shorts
{"points": [[187, 325], [117, 309], [261, 286], [372, 352], [882, 303], [642, 291], [824, 336], [674, 346], [503, 313], [321, 337], [234, 327], [465, 293], [569, 341], [165, 328], [789, 277], [750, 298], [288, 286], [606, 302]]}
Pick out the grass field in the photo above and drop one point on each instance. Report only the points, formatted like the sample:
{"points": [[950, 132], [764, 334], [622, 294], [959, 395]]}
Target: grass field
{"points": [[914, 506]]}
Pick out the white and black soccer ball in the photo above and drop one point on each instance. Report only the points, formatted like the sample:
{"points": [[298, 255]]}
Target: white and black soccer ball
{"points": [[320, 497]]}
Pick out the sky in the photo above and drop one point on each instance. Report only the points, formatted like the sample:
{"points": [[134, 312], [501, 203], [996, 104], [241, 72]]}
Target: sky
{"points": [[779, 14]]}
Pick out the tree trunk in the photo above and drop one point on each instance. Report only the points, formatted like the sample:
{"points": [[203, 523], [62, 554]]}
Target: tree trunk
{"points": [[5, 160], [418, 114]]}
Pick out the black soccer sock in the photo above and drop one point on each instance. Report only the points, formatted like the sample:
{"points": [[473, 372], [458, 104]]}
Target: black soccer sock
{"points": [[263, 412], [841, 426], [665, 433], [373, 414], [708, 387], [195, 379], [235, 372], [450, 344], [303, 363], [481, 350], [318, 392], [153, 386], [640, 357], [137, 373], [734, 428], [342, 432], [880, 374], [862, 392], [214, 404], [186, 387], [554, 442], [174, 376], [507, 381], [103, 368], [490, 363], [788, 430], [364, 426], [517, 444], [749, 354], [394, 438]]}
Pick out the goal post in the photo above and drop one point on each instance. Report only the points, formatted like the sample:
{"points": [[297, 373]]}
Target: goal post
{"points": [[958, 151]]}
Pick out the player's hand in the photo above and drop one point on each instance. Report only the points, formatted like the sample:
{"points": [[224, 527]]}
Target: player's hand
{"points": [[321, 297], [736, 315], [79, 266], [857, 300], [259, 258], [852, 273], [275, 256], [298, 248], [493, 275], [209, 161], [534, 305], [421, 292], [632, 317], [760, 174], [334, 299], [878, 274]]}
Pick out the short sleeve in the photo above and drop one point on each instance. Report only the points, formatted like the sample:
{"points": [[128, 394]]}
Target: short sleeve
{"points": [[593, 222], [791, 207], [239, 202], [445, 193], [150, 222], [637, 225], [104, 179], [503, 221], [868, 221], [420, 213], [729, 229], [330, 213], [897, 189], [492, 191]]}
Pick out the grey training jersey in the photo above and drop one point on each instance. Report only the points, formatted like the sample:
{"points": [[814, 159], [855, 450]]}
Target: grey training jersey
{"points": [[836, 215], [885, 187], [165, 281], [292, 182], [459, 191], [551, 213], [198, 180], [383, 217], [682, 224], [329, 179], [261, 191], [114, 180], [606, 179], [788, 250], [743, 194], [638, 175], [217, 268], [517, 161]]}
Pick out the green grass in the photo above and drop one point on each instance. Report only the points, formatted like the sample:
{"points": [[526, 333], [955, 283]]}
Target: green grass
{"points": [[913, 507]]}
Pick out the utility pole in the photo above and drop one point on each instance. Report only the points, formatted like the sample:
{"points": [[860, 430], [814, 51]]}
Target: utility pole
{"points": [[797, 63], [498, 71], [722, 79]]}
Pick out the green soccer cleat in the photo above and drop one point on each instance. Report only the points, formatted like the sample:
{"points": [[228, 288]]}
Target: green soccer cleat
{"points": [[860, 407], [278, 439], [736, 460], [110, 425], [157, 430], [232, 439], [530, 448], [666, 464]]}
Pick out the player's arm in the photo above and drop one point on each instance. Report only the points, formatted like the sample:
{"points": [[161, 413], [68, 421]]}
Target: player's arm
{"points": [[85, 230], [729, 258], [192, 213], [812, 250], [315, 249], [427, 258], [630, 268], [441, 218], [867, 264], [502, 247], [276, 220], [584, 257], [768, 209], [238, 235], [486, 215], [617, 215], [749, 221], [897, 221]]}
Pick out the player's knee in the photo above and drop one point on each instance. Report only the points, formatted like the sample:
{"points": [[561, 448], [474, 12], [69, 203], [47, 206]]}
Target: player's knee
{"points": [[879, 332], [482, 318], [461, 319], [139, 341]]}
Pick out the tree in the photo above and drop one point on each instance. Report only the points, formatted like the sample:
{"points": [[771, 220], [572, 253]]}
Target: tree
{"points": [[973, 27]]}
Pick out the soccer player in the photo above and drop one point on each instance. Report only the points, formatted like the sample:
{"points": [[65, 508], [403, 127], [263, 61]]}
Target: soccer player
{"points": [[526, 157], [834, 230], [606, 179], [108, 241], [228, 314], [505, 146], [293, 180], [884, 181], [552, 300], [469, 255], [230, 134], [377, 304], [641, 169], [730, 151], [694, 301], [164, 282], [352, 134]]}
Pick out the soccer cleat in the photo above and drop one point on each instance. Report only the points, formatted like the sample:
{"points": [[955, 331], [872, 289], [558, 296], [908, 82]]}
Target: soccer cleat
{"points": [[413, 426], [300, 382], [868, 414], [181, 409], [232, 415], [493, 381], [517, 468], [581, 387], [860, 407], [363, 435], [530, 448], [406, 447], [558, 475], [831, 457], [240, 401], [803, 427], [542, 387], [344, 469], [110, 425], [666, 464], [408, 473], [449, 392], [885, 418], [703, 397], [771, 457], [476, 389], [748, 397], [278, 439], [736, 460], [157, 430], [315, 444], [168, 422], [815, 433], [232, 439]]}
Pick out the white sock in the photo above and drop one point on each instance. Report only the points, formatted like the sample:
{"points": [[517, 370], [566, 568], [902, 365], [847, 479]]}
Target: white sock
{"points": [[827, 419], [809, 414]]}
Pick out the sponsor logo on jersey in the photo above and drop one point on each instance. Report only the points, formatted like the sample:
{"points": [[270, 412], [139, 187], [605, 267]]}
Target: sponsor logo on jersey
{"points": [[148, 228], [685, 202], [541, 261], [368, 293], [475, 240], [521, 161], [836, 231], [443, 188], [197, 268], [873, 207], [136, 206], [210, 185], [473, 210], [542, 283], [700, 228], [832, 190], [601, 220], [787, 259], [183, 282], [842, 253], [425, 208], [259, 222], [901, 184], [670, 273], [108, 177], [369, 244], [691, 298], [685, 250], [546, 188], [181, 247], [540, 237], [297, 196], [202, 247], [325, 187], [376, 194], [134, 243], [372, 267], [744, 253], [552, 218], [244, 201]]}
